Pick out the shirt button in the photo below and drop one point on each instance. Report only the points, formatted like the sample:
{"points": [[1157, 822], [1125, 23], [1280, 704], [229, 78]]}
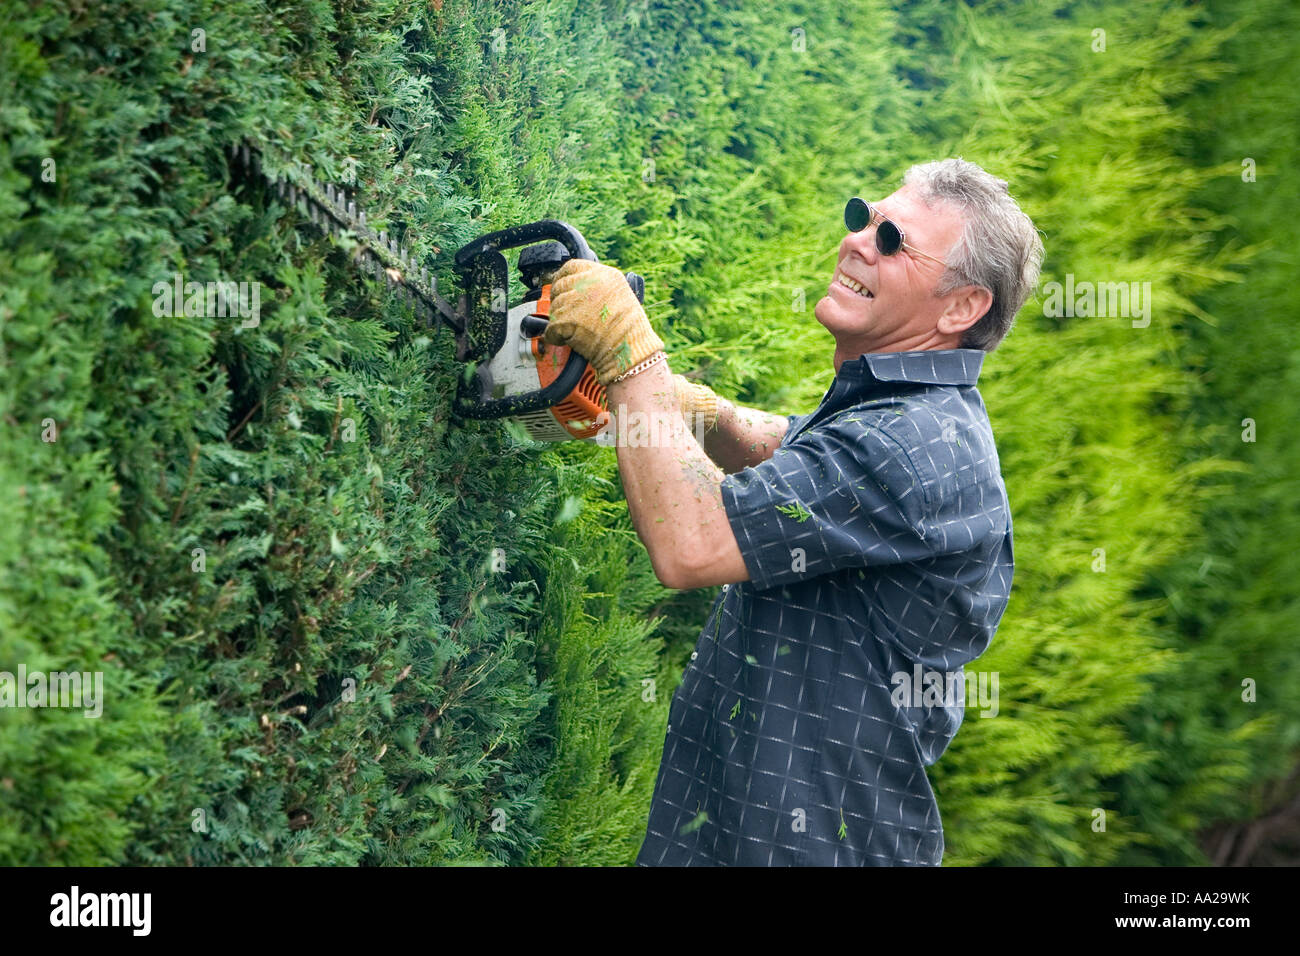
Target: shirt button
{"points": [[694, 654]]}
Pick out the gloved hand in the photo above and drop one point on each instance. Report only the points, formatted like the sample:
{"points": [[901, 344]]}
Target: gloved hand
{"points": [[696, 399], [595, 312]]}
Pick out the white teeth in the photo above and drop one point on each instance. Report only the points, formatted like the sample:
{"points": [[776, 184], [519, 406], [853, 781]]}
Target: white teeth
{"points": [[853, 285]]}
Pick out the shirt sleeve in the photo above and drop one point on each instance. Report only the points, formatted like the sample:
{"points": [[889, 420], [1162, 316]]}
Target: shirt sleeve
{"points": [[843, 494]]}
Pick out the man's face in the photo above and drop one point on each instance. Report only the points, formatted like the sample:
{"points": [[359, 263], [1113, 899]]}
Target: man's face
{"points": [[897, 302]]}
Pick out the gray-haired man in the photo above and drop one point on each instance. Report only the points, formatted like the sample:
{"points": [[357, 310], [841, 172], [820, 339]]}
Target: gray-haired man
{"points": [[862, 549]]}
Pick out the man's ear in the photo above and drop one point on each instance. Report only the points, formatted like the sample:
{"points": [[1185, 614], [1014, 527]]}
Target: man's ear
{"points": [[966, 306]]}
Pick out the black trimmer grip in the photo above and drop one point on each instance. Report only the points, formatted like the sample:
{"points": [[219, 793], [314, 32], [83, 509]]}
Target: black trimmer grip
{"points": [[526, 235]]}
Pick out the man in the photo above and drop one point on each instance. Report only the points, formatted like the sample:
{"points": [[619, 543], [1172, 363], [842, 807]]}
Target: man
{"points": [[859, 548]]}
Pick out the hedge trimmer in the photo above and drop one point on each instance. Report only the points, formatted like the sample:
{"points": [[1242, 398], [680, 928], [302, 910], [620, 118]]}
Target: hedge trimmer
{"points": [[548, 389]]}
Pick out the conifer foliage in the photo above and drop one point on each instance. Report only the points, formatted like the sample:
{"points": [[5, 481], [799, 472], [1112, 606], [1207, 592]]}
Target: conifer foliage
{"points": [[337, 625]]}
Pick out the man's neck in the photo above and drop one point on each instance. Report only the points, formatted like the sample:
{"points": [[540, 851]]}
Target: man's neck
{"points": [[847, 351]]}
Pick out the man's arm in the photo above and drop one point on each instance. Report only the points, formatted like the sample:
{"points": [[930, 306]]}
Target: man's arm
{"points": [[743, 436], [673, 490], [733, 436]]}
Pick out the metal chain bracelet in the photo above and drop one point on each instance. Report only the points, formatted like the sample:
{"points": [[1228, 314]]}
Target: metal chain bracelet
{"points": [[641, 367]]}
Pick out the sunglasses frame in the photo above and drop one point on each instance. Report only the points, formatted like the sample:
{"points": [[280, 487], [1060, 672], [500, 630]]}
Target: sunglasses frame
{"points": [[873, 215]]}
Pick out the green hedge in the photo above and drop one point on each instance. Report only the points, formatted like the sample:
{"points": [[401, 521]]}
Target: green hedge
{"points": [[1228, 768], [348, 679]]}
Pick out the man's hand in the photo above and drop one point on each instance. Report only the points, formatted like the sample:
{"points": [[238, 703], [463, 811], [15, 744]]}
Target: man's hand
{"points": [[699, 404], [595, 312]]}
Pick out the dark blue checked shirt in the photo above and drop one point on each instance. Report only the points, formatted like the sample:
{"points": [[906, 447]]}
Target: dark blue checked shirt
{"points": [[878, 543]]}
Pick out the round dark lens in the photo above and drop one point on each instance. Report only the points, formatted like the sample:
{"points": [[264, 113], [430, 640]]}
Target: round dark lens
{"points": [[888, 239], [857, 215]]}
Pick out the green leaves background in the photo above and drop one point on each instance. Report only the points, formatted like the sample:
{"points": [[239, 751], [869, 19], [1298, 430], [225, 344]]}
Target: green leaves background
{"points": [[503, 717]]}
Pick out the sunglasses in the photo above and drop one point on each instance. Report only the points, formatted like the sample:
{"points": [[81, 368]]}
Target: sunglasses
{"points": [[889, 238]]}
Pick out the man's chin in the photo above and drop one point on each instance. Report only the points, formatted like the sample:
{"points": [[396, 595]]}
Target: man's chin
{"points": [[833, 316], [825, 312]]}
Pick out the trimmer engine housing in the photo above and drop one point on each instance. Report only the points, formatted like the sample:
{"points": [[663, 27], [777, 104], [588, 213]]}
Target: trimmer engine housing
{"points": [[549, 389]]}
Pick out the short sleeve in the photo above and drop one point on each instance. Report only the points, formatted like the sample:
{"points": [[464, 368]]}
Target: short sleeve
{"points": [[843, 494], [791, 425]]}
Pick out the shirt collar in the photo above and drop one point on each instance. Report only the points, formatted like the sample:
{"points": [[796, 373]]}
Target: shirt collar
{"points": [[932, 366]]}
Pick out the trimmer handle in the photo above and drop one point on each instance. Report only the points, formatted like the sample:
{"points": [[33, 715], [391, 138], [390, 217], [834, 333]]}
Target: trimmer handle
{"points": [[517, 236]]}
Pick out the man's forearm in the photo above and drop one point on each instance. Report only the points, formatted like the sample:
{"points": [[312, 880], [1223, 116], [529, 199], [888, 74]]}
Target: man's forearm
{"points": [[743, 436], [673, 490]]}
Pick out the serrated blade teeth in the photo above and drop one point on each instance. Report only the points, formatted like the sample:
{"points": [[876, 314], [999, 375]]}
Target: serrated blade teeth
{"points": [[330, 207]]}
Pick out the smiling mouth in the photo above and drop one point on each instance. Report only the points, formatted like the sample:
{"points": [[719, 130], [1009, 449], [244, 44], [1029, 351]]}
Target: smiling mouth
{"points": [[857, 288]]}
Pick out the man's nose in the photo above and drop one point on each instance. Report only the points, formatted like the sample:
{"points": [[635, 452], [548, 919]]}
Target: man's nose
{"points": [[863, 243]]}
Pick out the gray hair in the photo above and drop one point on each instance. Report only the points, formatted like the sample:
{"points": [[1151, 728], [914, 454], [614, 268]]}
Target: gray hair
{"points": [[999, 247]]}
